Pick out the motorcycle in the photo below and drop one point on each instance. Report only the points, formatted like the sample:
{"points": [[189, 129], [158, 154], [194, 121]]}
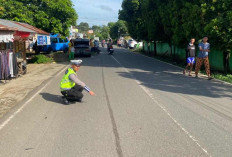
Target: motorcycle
{"points": [[111, 50]]}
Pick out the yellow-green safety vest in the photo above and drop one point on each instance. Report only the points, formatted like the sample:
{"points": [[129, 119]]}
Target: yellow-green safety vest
{"points": [[66, 83]]}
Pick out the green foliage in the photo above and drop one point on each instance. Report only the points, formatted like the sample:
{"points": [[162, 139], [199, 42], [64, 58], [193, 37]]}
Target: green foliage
{"points": [[219, 23], [101, 31], [105, 30], [226, 78], [83, 27], [176, 21], [112, 30], [50, 15], [131, 13], [41, 59], [116, 29]]}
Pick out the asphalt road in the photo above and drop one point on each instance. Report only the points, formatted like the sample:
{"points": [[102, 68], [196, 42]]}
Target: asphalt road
{"points": [[143, 108]]}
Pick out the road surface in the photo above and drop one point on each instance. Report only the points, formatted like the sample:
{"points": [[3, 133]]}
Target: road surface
{"points": [[143, 108]]}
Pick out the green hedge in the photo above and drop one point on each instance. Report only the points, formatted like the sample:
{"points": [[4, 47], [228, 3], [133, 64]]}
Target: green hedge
{"points": [[163, 49]]}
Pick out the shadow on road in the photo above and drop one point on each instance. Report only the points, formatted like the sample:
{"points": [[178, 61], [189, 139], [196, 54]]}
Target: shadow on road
{"points": [[158, 75], [52, 97]]}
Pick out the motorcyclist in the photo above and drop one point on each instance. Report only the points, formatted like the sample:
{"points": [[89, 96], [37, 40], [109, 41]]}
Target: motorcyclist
{"points": [[109, 44], [96, 46], [103, 43]]}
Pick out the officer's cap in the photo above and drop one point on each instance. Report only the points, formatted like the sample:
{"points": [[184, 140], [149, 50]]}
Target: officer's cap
{"points": [[76, 62]]}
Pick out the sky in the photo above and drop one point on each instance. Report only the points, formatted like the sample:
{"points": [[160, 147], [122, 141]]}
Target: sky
{"points": [[97, 12]]}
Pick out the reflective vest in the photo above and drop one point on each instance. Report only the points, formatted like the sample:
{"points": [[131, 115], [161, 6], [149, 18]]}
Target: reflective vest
{"points": [[66, 83]]}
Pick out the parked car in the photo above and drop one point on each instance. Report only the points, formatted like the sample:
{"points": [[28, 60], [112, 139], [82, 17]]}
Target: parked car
{"points": [[57, 44], [132, 43], [82, 47]]}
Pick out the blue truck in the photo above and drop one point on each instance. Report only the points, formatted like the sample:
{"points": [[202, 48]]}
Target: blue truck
{"points": [[57, 44]]}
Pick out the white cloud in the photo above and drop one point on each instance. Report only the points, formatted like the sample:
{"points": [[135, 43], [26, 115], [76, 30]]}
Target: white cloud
{"points": [[106, 8]]}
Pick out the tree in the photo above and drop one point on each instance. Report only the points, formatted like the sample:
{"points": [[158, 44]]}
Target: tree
{"points": [[219, 26], [101, 31], [117, 28], [105, 32], [176, 21], [50, 15], [130, 13], [83, 27]]}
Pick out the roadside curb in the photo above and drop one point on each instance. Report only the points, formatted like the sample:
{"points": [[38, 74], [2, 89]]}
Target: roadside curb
{"points": [[21, 104], [202, 75]]}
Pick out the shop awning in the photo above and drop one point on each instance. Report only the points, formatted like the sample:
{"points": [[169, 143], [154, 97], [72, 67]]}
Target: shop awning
{"points": [[22, 34], [37, 30], [12, 24], [6, 28]]}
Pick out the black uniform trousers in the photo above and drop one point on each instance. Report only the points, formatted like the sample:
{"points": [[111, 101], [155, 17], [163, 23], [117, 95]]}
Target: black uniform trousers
{"points": [[74, 94]]}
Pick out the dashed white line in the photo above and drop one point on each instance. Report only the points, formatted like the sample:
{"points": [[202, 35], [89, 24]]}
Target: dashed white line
{"points": [[147, 91]]}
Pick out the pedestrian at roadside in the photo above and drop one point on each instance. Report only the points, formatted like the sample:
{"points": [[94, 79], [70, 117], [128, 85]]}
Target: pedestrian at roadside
{"points": [[91, 45], [190, 55], [119, 43], [71, 50], [125, 44], [69, 46], [71, 87], [103, 43], [204, 49]]}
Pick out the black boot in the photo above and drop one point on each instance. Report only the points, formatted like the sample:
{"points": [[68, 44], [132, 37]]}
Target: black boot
{"points": [[66, 102]]}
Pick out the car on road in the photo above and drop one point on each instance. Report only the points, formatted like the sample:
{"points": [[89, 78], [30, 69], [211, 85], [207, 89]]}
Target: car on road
{"points": [[132, 43], [82, 47]]}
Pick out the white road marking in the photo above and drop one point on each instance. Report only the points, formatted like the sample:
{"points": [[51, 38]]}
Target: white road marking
{"points": [[147, 91], [21, 108]]}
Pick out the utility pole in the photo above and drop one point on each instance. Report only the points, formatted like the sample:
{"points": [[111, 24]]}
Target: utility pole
{"points": [[118, 32]]}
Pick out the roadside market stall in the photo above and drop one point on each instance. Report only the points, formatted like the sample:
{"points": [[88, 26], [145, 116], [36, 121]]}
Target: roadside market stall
{"points": [[8, 61], [18, 48], [15, 41], [35, 37]]}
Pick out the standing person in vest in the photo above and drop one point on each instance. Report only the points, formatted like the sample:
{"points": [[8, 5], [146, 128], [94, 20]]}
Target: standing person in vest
{"points": [[202, 57], [190, 55], [71, 87]]}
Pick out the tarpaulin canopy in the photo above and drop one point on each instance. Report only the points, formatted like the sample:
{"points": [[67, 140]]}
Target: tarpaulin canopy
{"points": [[22, 34]]}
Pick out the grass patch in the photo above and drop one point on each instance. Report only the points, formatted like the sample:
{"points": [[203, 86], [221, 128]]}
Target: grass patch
{"points": [[41, 59], [59, 56], [226, 78], [139, 50]]}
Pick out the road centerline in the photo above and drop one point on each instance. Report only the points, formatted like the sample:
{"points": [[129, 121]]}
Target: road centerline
{"points": [[114, 125], [147, 91]]}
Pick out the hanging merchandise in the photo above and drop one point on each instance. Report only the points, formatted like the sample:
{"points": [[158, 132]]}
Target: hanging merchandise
{"points": [[13, 64], [5, 71], [8, 65], [6, 37]]}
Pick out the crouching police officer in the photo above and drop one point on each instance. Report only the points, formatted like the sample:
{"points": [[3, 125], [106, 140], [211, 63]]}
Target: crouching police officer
{"points": [[71, 87]]}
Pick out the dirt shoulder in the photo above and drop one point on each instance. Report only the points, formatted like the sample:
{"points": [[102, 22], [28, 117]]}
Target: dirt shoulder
{"points": [[15, 90]]}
